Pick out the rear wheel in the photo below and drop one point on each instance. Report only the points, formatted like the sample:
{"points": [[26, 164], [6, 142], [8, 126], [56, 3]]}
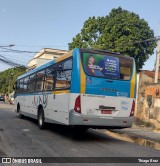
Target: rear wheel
{"points": [[19, 112], [41, 122]]}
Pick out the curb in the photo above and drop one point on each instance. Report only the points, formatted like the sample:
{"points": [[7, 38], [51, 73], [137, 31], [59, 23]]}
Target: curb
{"points": [[133, 138]]}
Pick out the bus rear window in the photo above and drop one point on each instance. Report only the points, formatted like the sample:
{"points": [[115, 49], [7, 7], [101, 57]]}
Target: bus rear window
{"points": [[107, 66]]}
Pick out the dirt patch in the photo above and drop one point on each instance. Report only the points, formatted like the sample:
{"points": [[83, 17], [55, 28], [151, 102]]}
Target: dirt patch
{"points": [[2, 153]]}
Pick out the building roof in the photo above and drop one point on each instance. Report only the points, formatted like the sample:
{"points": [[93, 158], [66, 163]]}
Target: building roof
{"points": [[150, 73], [50, 51]]}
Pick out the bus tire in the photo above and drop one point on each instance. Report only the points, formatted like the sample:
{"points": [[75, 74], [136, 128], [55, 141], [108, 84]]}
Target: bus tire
{"points": [[41, 122], [19, 112]]}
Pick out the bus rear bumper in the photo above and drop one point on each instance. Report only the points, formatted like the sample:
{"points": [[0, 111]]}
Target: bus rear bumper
{"points": [[77, 119]]}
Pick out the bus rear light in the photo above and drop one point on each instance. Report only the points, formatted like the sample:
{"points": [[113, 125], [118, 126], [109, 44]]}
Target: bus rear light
{"points": [[77, 106], [133, 108]]}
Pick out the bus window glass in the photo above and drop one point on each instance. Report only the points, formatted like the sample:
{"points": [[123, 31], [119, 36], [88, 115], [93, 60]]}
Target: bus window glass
{"points": [[21, 86], [17, 86], [49, 79], [32, 82], [107, 66], [25, 86], [40, 80], [64, 70]]}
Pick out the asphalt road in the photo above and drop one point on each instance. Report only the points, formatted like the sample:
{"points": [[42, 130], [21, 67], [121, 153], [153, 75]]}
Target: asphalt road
{"points": [[23, 138]]}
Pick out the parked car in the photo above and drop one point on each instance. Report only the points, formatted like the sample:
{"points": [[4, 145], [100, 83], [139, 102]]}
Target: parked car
{"points": [[2, 98]]}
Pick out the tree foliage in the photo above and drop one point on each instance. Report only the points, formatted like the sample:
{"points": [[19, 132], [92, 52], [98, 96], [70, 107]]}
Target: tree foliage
{"points": [[120, 31], [8, 78]]}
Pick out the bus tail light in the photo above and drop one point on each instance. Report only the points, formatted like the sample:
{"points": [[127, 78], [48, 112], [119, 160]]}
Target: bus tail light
{"points": [[133, 108], [77, 106]]}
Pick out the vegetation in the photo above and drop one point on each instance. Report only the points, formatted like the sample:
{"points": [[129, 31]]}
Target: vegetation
{"points": [[121, 31], [8, 78]]}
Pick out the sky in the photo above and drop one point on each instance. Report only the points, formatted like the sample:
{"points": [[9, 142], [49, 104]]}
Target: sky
{"points": [[35, 24]]}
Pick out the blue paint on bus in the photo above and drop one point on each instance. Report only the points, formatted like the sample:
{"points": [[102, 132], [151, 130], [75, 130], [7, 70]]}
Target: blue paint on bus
{"points": [[75, 83]]}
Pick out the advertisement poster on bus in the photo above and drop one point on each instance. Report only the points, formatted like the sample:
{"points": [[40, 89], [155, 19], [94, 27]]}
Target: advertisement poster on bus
{"points": [[101, 65]]}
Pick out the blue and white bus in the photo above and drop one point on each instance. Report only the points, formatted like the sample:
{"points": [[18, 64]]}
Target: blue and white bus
{"points": [[85, 88]]}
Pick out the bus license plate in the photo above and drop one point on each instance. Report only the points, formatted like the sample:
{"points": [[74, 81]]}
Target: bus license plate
{"points": [[106, 111]]}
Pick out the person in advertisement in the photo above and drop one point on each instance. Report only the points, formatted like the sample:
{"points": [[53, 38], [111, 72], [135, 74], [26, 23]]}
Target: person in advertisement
{"points": [[93, 69]]}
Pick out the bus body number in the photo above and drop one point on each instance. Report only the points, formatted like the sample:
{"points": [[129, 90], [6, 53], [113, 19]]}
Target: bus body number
{"points": [[125, 94]]}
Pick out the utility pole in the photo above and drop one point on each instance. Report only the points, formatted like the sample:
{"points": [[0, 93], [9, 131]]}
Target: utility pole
{"points": [[157, 62]]}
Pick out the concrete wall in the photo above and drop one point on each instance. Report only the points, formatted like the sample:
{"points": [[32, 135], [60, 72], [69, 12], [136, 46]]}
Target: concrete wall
{"points": [[152, 104], [148, 100], [142, 81]]}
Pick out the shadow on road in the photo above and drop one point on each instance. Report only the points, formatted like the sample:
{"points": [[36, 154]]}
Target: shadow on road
{"points": [[73, 133]]}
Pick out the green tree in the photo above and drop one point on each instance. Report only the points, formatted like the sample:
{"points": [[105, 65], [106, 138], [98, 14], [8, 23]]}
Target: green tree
{"points": [[8, 78], [121, 31]]}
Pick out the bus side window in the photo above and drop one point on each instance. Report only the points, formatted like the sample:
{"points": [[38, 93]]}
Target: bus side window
{"points": [[20, 86], [49, 78], [17, 86], [31, 84], [40, 80], [64, 71], [25, 86]]}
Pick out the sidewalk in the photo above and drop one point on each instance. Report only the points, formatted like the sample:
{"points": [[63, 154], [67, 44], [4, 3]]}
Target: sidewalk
{"points": [[139, 132], [136, 134]]}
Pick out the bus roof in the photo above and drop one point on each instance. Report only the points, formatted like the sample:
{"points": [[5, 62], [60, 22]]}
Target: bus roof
{"points": [[118, 54], [65, 55]]}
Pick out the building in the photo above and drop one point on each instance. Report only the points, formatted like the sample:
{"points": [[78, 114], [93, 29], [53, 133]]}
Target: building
{"points": [[147, 107], [44, 56]]}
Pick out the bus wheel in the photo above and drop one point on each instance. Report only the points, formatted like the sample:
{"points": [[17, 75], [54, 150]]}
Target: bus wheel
{"points": [[19, 112], [41, 122]]}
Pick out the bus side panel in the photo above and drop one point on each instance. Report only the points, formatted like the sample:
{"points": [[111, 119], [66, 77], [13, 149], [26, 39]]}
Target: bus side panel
{"points": [[30, 104], [26, 105], [75, 83], [57, 108]]}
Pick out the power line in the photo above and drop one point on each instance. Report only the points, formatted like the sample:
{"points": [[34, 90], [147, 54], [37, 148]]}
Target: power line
{"points": [[9, 62], [14, 52], [40, 46], [17, 51], [19, 57], [5, 60], [17, 60]]}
